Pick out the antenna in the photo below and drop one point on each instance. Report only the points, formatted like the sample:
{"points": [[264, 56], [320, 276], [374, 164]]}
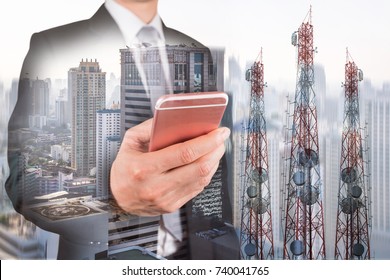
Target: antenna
{"points": [[303, 216], [256, 240], [352, 235]]}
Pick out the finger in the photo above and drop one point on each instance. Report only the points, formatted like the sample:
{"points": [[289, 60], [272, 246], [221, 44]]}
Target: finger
{"points": [[182, 183], [187, 152], [199, 172], [175, 188], [174, 200], [137, 138], [189, 179]]}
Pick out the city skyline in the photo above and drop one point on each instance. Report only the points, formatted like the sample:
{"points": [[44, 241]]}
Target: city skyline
{"points": [[328, 117], [280, 88]]}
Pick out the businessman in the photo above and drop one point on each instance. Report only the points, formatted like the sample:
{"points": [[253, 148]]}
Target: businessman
{"points": [[142, 183]]}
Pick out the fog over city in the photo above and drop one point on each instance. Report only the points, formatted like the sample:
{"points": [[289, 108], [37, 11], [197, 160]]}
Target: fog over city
{"points": [[242, 27]]}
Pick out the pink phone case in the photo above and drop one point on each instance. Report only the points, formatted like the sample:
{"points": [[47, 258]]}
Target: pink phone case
{"points": [[180, 117]]}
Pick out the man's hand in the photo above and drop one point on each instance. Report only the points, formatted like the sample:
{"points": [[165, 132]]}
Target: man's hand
{"points": [[154, 183]]}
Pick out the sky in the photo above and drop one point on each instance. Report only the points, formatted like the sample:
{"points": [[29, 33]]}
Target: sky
{"points": [[241, 27]]}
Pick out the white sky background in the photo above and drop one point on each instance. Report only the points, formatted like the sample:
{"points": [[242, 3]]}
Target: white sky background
{"points": [[241, 26]]}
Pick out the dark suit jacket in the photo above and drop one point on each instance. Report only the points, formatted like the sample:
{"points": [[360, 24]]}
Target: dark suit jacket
{"points": [[55, 50]]}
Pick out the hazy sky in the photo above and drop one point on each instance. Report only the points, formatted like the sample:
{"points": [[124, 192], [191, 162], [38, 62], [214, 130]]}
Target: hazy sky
{"points": [[241, 26]]}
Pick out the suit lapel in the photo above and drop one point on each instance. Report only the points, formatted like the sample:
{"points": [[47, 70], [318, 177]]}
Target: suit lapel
{"points": [[102, 24]]}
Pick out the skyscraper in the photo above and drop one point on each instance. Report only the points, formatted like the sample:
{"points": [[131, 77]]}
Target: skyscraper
{"points": [[191, 70], [60, 111], [108, 143], [87, 86], [376, 116], [40, 95]]}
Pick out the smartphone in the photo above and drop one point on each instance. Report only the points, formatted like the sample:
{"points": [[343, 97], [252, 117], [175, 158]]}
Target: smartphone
{"points": [[181, 117]]}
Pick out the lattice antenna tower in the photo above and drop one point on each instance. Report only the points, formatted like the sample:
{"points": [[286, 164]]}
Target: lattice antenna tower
{"points": [[303, 214], [256, 237], [352, 235]]}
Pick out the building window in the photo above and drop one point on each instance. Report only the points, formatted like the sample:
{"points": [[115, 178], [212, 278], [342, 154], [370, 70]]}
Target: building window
{"points": [[181, 71], [198, 77], [198, 57]]}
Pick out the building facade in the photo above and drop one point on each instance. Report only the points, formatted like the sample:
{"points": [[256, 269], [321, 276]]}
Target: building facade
{"points": [[191, 70], [108, 143], [376, 118], [87, 84]]}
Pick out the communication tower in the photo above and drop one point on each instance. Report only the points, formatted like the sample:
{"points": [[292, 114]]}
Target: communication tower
{"points": [[352, 235], [256, 240], [303, 212]]}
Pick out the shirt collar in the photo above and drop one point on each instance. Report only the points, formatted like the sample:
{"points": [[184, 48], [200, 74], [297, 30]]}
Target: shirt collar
{"points": [[129, 24]]}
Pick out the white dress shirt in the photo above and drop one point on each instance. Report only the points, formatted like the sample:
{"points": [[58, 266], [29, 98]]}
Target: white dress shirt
{"points": [[129, 25]]}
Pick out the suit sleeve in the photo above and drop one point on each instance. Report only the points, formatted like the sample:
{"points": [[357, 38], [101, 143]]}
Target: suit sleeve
{"points": [[18, 133]]}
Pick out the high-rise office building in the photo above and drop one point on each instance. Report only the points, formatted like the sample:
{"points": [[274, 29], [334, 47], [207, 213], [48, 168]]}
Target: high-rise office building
{"points": [[3, 124], [108, 143], [234, 84], [191, 70], [87, 85], [38, 101], [331, 156], [47, 185], [376, 117], [60, 108], [275, 151], [40, 95]]}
